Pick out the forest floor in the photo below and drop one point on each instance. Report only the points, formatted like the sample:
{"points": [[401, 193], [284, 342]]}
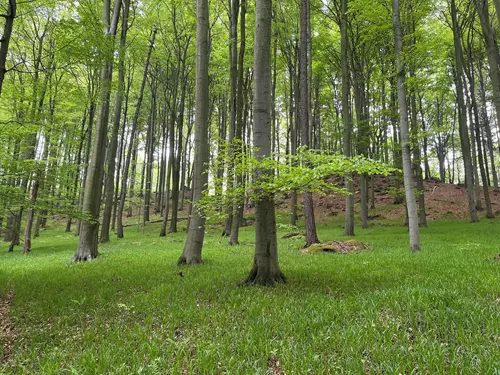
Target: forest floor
{"points": [[442, 201], [379, 311]]}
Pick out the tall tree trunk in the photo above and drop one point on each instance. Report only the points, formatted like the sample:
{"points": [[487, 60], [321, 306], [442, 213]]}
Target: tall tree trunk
{"points": [[150, 142], [132, 145], [477, 136], [7, 32], [88, 151], [346, 118], [490, 42], [311, 235], [462, 121], [87, 242], [405, 132], [265, 270], [486, 125], [176, 188], [233, 83], [240, 103], [113, 143], [191, 253]]}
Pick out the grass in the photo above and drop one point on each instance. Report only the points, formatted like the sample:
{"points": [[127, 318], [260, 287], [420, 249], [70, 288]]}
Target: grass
{"points": [[383, 311]]}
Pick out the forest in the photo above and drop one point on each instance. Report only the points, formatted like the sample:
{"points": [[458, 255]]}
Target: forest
{"points": [[249, 187]]}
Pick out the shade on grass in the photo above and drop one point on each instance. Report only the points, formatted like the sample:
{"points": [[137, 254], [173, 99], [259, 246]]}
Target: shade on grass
{"points": [[380, 311]]}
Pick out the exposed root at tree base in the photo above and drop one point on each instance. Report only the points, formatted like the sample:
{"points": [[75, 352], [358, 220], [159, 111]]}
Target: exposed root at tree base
{"points": [[183, 261], [82, 258], [256, 278], [7, 334]]}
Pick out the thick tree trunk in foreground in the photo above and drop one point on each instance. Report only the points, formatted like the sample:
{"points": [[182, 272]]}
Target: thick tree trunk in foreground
{"points": [[196, 232], [87, 242], [405, 133], [265, 270]]}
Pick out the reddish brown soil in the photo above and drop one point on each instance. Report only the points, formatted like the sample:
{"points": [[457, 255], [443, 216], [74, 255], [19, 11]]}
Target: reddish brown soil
{"points": [[442, 201]]}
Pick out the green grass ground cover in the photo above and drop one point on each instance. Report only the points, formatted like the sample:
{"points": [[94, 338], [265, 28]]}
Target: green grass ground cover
{"points": [[384, 311]]}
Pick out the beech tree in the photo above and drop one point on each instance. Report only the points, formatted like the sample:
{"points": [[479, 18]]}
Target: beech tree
{"points": [[265, 270], [5, 40], [87, 242], [191, 254], [405, 133]]}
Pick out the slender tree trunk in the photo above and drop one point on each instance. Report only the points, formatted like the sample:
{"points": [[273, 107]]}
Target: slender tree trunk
{"points": [[405, 133], [490, 42], [150, 140], [311, 235], [240, 104], [132, 145], [265, 270], [191, 253], [30, 216], [346, 118], [7, 32], [477, 136], [88, 150], [87, 242], [113, 143], [462, 122], [486, 125]]}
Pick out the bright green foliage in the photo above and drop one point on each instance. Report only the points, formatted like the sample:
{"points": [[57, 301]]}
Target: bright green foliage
{"points": [[306, 171]]}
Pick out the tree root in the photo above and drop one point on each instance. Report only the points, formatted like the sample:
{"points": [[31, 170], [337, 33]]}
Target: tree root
{"points": [[192, 261], [264, 279], [82, 258]]}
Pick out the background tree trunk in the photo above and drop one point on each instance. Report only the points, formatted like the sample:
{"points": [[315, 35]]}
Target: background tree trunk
{"points": [[405, 133]]}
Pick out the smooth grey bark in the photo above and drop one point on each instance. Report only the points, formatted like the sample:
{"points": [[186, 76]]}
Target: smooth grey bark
{"points": [[240, 103], [462, 121], [486, 126], [265, 270], [87, 241], [311, 234], [191, 253], [346, 118], [5, 40], [405, 133], [113, 142], [490, 43], [476, 132], [233, 85], [150, 142], [88, 150], [132, 145]]}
